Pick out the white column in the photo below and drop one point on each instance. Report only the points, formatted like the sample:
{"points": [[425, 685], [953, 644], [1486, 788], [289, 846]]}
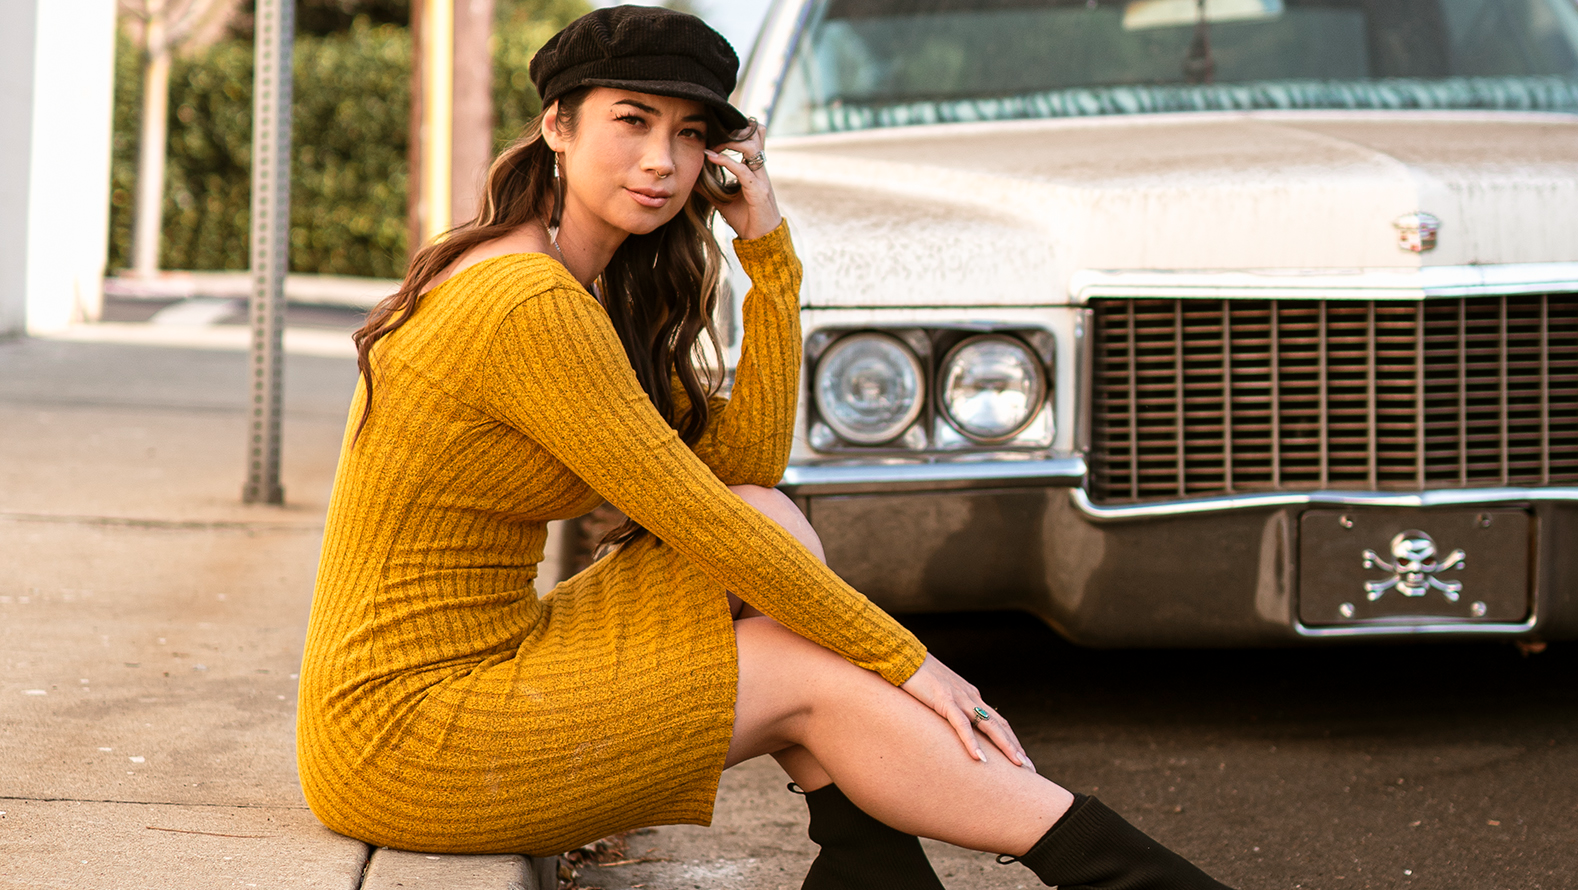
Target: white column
{"points": [[57, 78], [16, 147]]}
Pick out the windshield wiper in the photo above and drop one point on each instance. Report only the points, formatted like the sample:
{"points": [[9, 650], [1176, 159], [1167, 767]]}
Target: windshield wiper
{"points": [[1199, 66]]}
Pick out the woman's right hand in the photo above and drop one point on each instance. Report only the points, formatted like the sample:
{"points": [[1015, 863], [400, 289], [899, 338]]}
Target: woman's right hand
{"points": [[936, 686], [756, 212]]}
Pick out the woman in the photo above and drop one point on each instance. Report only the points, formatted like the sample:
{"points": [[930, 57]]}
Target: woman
{"points": [[543, 358]]}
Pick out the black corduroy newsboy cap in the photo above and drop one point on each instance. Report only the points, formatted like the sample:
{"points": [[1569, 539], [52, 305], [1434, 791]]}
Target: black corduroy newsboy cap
{"points": [[645, 49]]}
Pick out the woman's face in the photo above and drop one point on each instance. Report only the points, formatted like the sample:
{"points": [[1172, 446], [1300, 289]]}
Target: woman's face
{"points": [[633, 158]]}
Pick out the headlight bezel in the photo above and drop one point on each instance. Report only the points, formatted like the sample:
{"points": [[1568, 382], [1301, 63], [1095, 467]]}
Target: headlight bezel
{"points": [[932, 433], [911, 415], [1035, 364]]}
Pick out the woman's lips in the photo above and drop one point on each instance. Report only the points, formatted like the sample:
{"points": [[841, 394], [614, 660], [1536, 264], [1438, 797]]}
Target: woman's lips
{"points": [[647, 197]]}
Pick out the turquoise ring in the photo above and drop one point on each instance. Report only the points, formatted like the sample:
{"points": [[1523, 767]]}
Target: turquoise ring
{"points": [[981, 716]]}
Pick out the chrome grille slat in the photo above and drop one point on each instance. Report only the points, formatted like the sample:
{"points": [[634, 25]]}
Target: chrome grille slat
{"points": [[1134, 407], [1180, 397], [1323, 402], [1371, 398], [1419, 395], [1462, 392], [1501, 378], [1545, 393], [1227, 396], [1274, 356], [1201, 397]]}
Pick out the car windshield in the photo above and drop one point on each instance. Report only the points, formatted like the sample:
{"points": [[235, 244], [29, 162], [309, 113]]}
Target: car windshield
{"points": [[882, 63]]}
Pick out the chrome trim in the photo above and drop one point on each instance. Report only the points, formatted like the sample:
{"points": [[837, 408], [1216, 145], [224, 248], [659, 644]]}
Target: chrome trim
{"points": [[1084, 379], [911, 414], [939, 388], [1328, 284], [932, 476], [1407, 630], [1439, 498], [783, 24]]}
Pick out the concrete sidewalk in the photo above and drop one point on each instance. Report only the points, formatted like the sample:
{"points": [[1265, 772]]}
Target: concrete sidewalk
{"points": [[151, 629]]}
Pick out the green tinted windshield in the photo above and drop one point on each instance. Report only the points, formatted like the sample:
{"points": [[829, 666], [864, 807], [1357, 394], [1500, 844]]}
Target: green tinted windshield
{"points": [[882, 63]]}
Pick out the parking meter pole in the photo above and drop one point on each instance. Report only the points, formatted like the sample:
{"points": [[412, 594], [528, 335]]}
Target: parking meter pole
{"points": [[275, 32]]}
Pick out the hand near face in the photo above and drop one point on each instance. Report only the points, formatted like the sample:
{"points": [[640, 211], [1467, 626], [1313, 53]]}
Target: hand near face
{"points": [[754, 212]]}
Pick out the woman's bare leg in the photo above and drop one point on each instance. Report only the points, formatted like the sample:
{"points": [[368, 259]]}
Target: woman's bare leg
{"points": [[825, 719], [795, 760], [893, 756]]}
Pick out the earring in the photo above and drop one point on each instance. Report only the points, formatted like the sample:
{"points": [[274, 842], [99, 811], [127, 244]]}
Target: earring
{"points": [[558, 194]]}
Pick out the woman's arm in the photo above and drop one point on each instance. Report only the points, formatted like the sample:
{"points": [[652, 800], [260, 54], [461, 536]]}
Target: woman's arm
{"points": [[748, 437], [557, 372]]}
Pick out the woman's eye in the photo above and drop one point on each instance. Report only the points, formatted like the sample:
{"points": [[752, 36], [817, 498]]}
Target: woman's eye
{"points": [[692, 133], [631, 119]]}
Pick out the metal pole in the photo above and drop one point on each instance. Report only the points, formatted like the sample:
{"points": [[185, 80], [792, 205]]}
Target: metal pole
{"points": [[271, 85]]}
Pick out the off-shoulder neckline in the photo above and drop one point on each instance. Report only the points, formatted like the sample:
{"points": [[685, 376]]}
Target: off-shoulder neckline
{"points": [[465, 272]]}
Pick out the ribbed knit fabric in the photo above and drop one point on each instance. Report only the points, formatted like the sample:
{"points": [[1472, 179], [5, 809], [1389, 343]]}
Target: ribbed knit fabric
{"points": [[444, 707]]}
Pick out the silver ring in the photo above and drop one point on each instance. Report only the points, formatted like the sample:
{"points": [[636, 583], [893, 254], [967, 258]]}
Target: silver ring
{"points": [[980, 716], [756, 161]]}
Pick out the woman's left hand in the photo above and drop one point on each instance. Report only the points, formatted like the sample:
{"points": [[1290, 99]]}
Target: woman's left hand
{"points": [[936, 686], [754, 212]]}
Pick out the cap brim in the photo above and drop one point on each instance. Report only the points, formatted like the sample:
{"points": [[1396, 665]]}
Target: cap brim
{"points": [[729, 116]]}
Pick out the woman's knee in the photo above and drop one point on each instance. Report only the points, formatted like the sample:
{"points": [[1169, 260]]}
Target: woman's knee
{"points": [[778, 507]]}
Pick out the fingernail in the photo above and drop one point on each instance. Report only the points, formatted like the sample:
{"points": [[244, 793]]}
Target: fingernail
{"points": [[979, 755]]}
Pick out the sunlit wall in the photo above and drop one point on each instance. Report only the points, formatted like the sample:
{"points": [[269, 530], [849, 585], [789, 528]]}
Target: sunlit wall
{"points": [[56, 86]]}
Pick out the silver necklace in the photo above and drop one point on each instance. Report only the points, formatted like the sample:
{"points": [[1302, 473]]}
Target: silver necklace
{"points": [[553, 238]]}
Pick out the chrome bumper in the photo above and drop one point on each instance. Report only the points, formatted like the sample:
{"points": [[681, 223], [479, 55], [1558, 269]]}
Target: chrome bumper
{"points": [[819, 479], [1220, 571]]}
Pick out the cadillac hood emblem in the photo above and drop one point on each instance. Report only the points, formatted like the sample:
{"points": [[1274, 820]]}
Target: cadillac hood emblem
{"points": [[1417, 231], [1414, 568]]}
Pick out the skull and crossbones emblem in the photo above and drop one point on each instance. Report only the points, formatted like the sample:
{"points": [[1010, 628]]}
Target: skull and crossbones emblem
{"points": [[1414, 571]]}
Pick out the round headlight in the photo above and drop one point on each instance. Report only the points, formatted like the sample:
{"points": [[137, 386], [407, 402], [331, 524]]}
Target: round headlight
{"points": [[992, 386], [868, 387]]}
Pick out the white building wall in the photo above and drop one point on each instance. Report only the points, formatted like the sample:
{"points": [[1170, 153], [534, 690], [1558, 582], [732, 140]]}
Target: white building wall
{"points": [[57, 74], [16, 147]]}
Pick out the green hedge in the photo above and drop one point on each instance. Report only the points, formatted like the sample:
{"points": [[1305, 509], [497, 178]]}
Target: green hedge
{"points": [[351, 123]]}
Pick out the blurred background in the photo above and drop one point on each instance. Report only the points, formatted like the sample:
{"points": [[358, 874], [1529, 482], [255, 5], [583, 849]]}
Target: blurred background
{"points": [[353, 207]]}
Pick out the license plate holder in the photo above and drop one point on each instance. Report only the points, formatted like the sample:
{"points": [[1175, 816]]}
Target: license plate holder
{"points": [[1413, 566]]}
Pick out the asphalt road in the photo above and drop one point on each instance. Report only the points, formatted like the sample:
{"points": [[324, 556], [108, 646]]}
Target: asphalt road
{"points": [[1448, 767], [1420, 766]]}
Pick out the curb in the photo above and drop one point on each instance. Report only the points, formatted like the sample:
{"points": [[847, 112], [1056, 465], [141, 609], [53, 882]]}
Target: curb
{"points": [[316, 290], [390, 869]]}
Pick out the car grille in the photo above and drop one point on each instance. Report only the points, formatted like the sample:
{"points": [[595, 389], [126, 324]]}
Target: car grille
{"points": [[1208, 397]]}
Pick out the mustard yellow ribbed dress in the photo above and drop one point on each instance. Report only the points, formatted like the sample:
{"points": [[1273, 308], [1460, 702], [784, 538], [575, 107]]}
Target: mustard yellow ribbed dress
{"points": [[444, 706]]}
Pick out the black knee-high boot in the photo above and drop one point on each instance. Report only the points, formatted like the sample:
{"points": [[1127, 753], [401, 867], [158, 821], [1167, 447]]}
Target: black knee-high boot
{"points": [[858, 851], [1093, 848]]}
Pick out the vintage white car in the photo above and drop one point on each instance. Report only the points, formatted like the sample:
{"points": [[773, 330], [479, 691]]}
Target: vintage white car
{"points": [[1235, 322]]}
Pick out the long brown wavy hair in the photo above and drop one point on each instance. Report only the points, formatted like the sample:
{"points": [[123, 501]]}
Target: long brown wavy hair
{"points": [[660, 289]]}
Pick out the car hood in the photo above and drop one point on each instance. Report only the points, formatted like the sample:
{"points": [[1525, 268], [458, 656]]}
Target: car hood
{"points": [[1006, 213]]}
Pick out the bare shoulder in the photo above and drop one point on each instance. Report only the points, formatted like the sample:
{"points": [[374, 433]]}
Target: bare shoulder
{"points": [[523, 240]]}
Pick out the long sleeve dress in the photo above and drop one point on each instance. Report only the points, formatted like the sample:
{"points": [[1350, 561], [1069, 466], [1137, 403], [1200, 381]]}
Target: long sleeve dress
{"points": [[444, 706]]}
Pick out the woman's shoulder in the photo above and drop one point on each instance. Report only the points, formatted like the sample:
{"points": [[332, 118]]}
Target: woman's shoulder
{"points": [[468, 308], [486, 292], [509, 275]]}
